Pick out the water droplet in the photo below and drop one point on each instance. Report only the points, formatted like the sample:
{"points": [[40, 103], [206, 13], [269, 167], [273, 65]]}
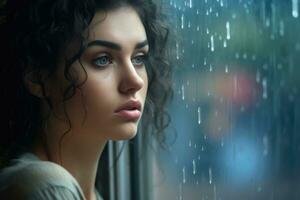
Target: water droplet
{"points": [[295, 8], [268, 23], [235, 86], [215, 192], [177, 51], [182, 92], [266, 145], [183, 175], [194, 167], [221, 3], [190, 143], [180, 192], [182, 21], [199, 115], [237, 55], [191, 4], [212, 46], [228, 36], [210, 175], [225, 44], [258, 76], [226, 69], [265, 92]]}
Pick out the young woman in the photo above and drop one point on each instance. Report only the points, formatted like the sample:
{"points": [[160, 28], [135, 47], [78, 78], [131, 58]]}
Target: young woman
{"points": [[76, 74]]}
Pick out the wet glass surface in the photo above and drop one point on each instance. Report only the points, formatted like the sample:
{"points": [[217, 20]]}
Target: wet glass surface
{"points": [[236, 111]]}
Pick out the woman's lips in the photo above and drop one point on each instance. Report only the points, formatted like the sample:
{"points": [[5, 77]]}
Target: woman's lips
{"points": [[130, 115]]}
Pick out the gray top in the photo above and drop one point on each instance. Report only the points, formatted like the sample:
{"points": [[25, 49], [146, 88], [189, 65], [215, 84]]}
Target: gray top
{"points": [[30, 178]]}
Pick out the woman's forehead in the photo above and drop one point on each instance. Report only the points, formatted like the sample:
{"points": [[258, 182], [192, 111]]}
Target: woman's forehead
{"points": [[120, 25]]}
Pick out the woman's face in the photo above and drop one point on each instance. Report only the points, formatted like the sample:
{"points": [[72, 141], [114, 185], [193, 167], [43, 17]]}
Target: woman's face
{"points": [[116, 74]]}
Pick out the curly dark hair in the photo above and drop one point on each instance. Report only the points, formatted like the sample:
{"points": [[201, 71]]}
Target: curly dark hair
{"points": [[34, 34]]}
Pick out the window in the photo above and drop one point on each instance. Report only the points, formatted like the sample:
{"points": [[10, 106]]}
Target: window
{"points": [[236, 110]]}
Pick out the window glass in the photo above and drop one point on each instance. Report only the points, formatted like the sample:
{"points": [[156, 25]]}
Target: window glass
{"points": [[236, 110]]}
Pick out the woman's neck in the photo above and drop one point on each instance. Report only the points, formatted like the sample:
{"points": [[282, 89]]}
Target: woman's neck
{"points": [[78, 155]]}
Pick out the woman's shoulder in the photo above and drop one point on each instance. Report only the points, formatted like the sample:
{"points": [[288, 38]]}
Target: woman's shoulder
{"points": [[32, 177]]}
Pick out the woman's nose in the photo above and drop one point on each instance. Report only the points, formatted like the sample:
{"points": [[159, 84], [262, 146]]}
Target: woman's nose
{"points": [[131, 78]]}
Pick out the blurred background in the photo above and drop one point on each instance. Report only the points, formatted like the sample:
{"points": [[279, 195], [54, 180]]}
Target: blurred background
{"points": [[236, 110]]}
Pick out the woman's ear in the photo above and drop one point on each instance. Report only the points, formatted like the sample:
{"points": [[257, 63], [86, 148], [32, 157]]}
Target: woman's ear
{"points": [[35, 84]]}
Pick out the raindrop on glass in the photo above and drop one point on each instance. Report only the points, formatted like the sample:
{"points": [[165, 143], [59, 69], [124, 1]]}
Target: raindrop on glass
{"points": [[221, 3], [228, 36], [182, 21], [210, 175], [215, 192], [183, 175], [180, 192], [265, 92], [177, 51], [225, 43], [226, 69], [182, 92], [210, 68], [258, 76], [194, 167], [295, 8], [199, 115], [266, 145], [235, 86], [222, 142]]}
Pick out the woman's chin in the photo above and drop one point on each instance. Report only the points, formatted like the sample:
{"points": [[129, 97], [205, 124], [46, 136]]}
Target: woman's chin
{"points": [[126, 132]]}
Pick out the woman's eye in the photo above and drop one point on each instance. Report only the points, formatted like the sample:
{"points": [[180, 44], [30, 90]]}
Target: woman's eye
{"points": [[102, 61], [139, 60]]}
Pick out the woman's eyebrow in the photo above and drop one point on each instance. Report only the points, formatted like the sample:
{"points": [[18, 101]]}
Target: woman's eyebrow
{"points": [[115, 46]]}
